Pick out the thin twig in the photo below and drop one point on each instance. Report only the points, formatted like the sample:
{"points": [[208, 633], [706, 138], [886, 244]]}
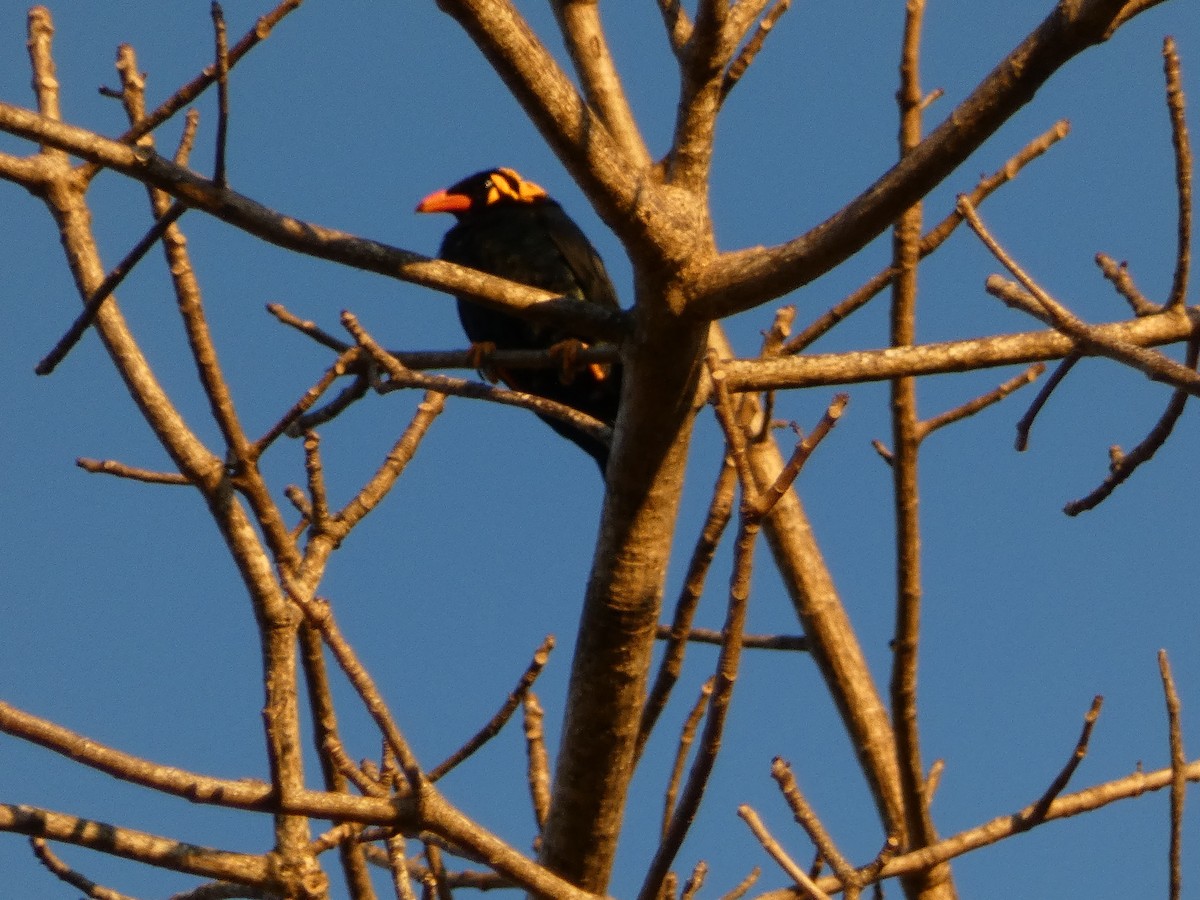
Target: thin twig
{"points": [[91, 306], [718, 708], [1118, 274], [398, 863], [400, 377], [398, 458], [120, 470], [931, 240], [735, 436], [1178, 777], [906, 441], [695, 881], [285, 423], [1037, 812], [346, 397], [221, 38], [678, 24], [1026, 423], [318, 612], [1152, 363], [992, 397], [738, 67], [807, 819], [315, 470], [538, 769], [63, 872], [743, 887], [793, 642], [194, 88], [1120, 469], [437, 871], [327, 741], [1176, 107], [767, 498], [540, 657], [934, 779], [720, 510], [687, 736], [777, 853]]}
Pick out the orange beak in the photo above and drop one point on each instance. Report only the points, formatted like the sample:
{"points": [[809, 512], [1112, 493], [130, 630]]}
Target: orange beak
{"points": [[443, 201]]}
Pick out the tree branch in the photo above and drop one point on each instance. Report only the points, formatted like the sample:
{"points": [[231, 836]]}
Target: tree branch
{"points": [[741, 280]]}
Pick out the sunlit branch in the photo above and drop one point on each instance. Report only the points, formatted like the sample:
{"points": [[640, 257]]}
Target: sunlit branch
{"points": [[803, 882], [982, 402], [807, 819], [65, 873], [1183, 172], [136, 845], [143, 164], [720, 510], [584, 35], [1118, 274], [1178, 777], [401, 378], [538, 768], [194, 88], [1154, 364], [931, 240], [743, 279], [120, 470]]}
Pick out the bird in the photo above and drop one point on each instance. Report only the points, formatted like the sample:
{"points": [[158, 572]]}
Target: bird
{"points": [[510, 227]]}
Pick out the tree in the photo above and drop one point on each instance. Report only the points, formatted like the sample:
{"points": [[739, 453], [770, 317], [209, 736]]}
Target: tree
{"points": [[664, 207]]}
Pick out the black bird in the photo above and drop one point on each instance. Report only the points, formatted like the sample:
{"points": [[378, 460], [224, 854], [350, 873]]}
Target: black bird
{"points": [[510, 227]]}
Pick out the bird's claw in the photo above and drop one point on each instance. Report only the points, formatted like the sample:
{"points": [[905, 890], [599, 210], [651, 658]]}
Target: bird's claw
{"points": [[567, 352], [479, 357]]}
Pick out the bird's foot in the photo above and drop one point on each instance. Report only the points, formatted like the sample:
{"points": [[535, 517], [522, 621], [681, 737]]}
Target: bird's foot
{"points": [[567, 352], [479, 356]]}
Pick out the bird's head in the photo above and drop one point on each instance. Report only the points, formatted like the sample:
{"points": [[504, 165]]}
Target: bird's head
{"points": [[482, 190]]}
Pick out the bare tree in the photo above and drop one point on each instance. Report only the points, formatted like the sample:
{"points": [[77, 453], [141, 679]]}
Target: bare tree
{"points": [[678, 364]]}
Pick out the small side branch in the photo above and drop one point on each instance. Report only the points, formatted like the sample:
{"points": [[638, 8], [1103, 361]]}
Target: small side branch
{"points": [[500, 719], [1181, 143], [1178, 777], [539, 760], [1124, 465], [807, 819], [91, 306], [120, 470], [736, 69], [1152, 363], [63, 872], [1118, 274], [720, 511], [980, 403], [1037, 813], [777, 853], [930, 241]]}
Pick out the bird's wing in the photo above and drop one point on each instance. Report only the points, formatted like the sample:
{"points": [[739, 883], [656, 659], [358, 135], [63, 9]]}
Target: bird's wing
{"points": [[581, 257]]}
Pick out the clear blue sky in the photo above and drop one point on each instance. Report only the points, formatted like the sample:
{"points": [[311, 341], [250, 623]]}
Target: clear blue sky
{"points": [[123, 619]]}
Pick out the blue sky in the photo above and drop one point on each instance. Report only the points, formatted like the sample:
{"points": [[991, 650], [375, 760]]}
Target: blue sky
{"points": [[123, 619]]}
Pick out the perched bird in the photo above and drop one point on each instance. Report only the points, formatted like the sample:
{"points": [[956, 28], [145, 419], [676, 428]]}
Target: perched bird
{"points": [[510, 227]]}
